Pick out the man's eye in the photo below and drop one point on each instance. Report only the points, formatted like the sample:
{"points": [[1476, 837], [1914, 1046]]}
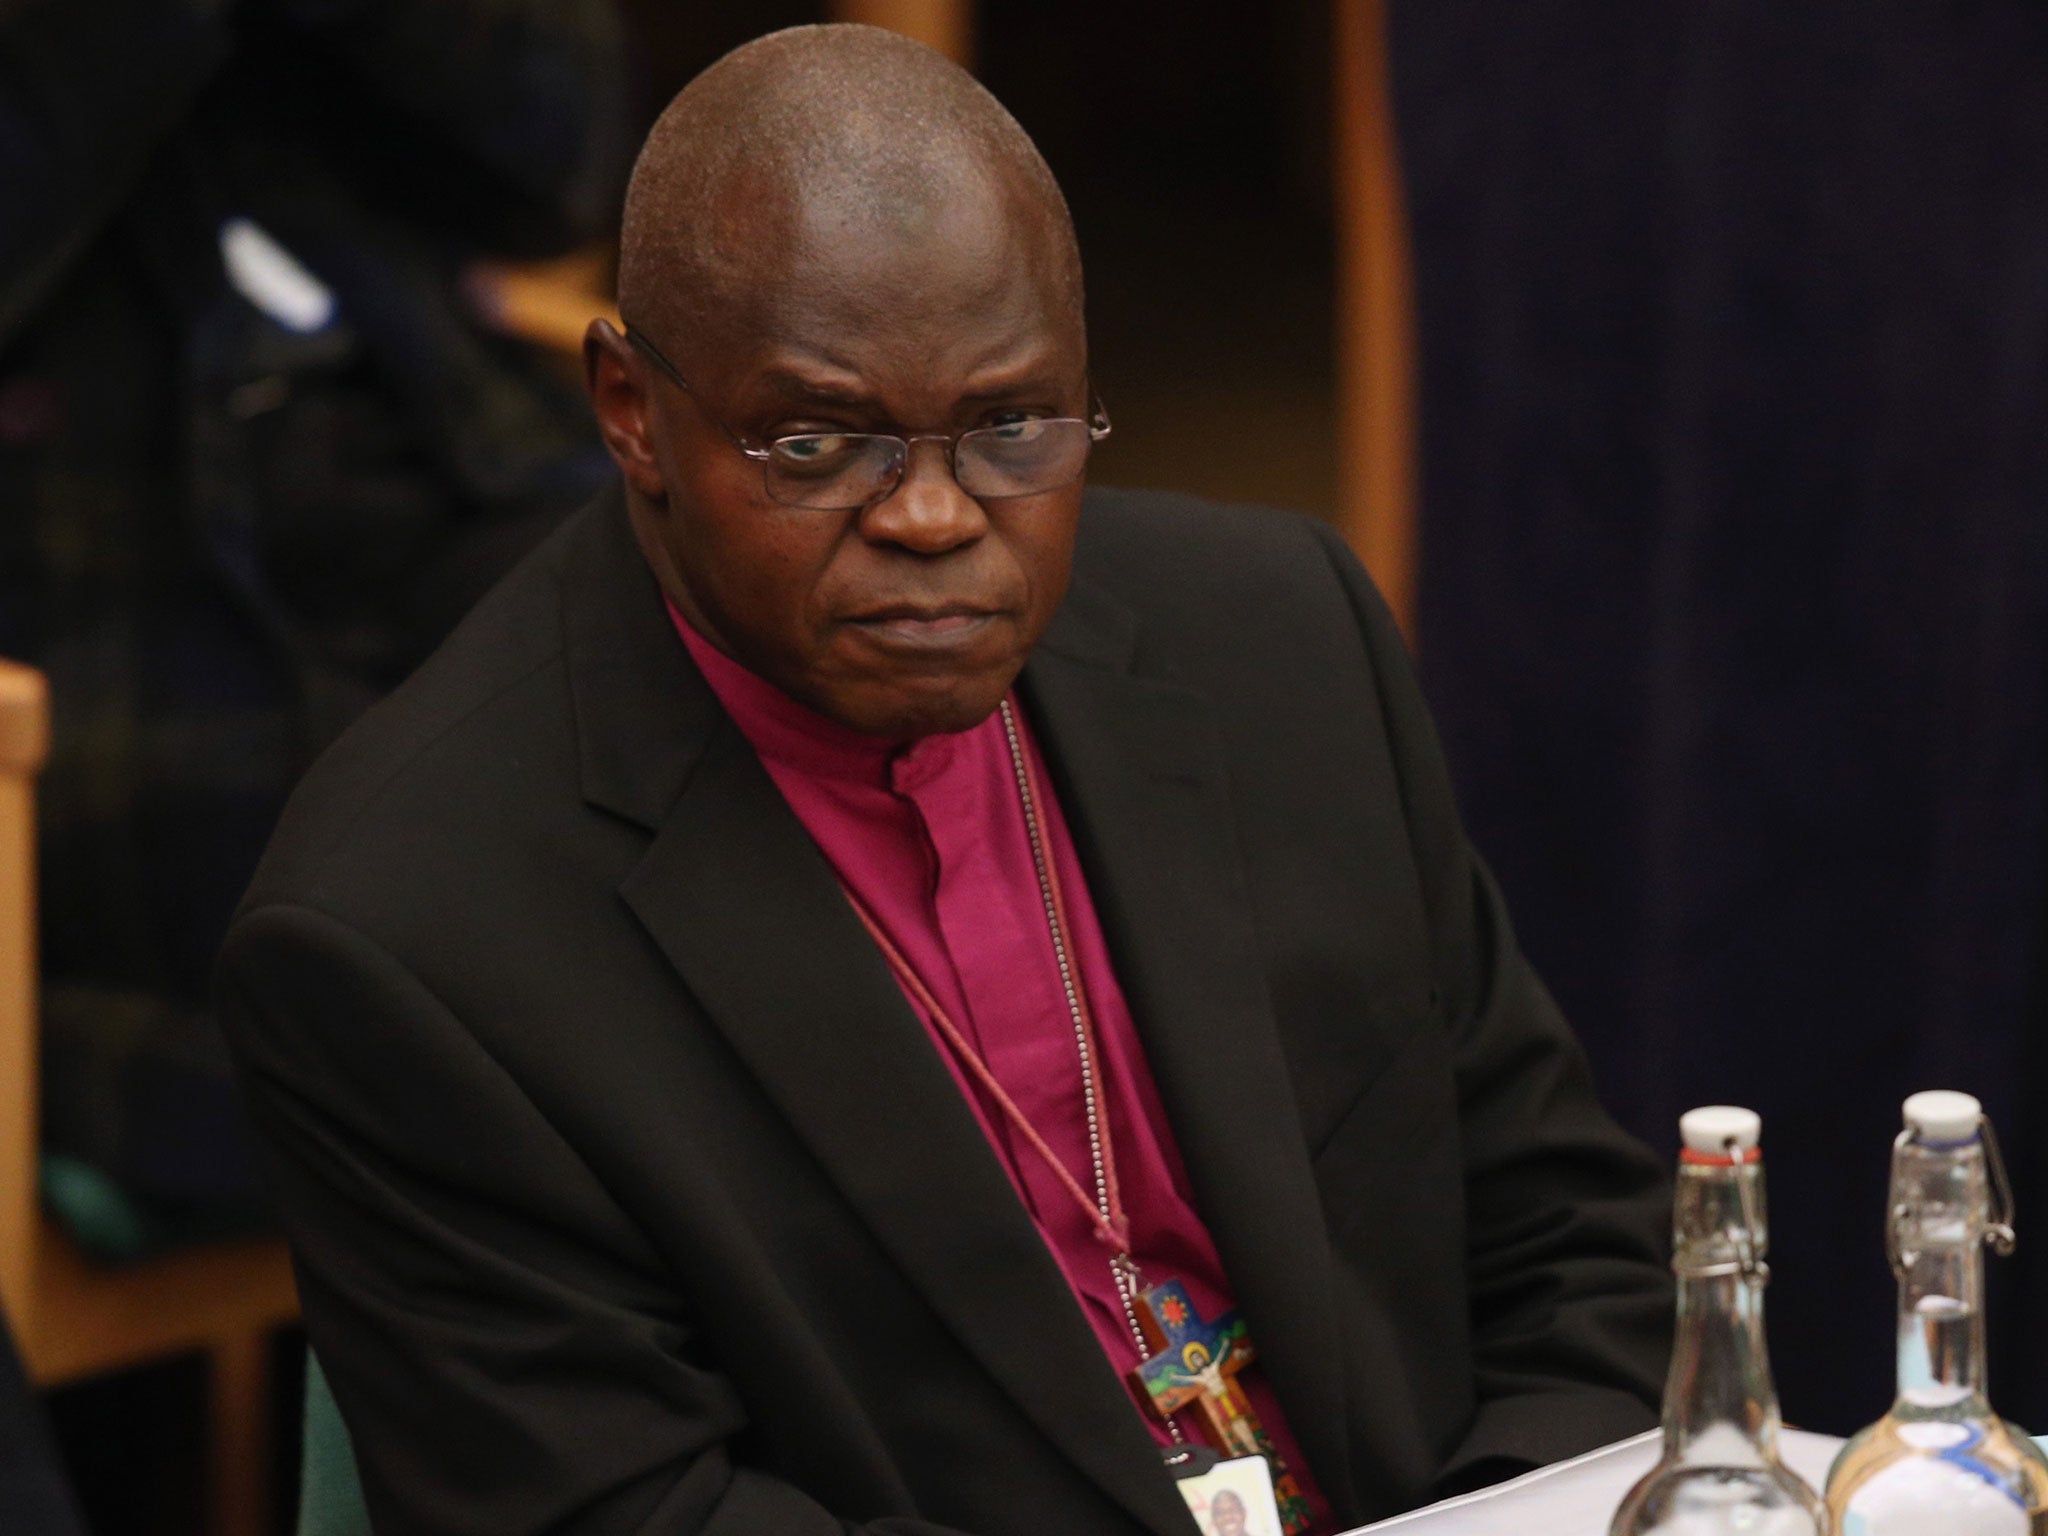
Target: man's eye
{"points": [[1015, 427], [816, 448]]}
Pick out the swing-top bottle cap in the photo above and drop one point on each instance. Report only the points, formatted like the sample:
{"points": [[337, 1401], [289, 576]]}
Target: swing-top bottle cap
{"points": [[1707, 1131], [1941, 1114]]}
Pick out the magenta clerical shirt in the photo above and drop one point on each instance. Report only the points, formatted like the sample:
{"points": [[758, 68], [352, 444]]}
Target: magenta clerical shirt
{"points": [[930, 836]]}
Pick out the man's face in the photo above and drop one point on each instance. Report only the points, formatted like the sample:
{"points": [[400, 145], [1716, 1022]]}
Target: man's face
{"points": [[1228, 1513], [912, 614]]}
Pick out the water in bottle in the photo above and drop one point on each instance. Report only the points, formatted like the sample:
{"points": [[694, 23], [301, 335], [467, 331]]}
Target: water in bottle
{"points": [[1720, 1474], [1942, 1460]]}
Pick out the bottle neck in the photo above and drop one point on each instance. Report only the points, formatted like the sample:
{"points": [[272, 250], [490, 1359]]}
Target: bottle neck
{"points": [[1939, 1204], [1720, 1405], [1720, 1401]]}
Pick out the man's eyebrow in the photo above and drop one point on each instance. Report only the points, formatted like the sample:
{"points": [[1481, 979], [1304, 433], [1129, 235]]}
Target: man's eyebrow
{"points": [[1032, 381], [792, 383], [795, 387], [1033, 369]]}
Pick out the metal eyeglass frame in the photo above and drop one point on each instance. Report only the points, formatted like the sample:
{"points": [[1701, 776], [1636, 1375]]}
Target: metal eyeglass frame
{"points": [[1098, 428]]}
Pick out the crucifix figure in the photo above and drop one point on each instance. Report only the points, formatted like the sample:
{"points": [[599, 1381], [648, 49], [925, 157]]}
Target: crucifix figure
{"points": [[1197, 1361]]}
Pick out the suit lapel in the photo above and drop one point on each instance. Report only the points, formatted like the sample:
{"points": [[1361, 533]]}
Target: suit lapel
{"points": [[747, 910], [1139, 769]]}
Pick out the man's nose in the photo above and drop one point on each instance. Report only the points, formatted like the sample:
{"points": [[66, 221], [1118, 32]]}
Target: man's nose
{"points": [[927, 511]]}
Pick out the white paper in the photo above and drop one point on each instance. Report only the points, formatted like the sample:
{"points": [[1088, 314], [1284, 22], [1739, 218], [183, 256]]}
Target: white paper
{"points": [[1578, 1497]]}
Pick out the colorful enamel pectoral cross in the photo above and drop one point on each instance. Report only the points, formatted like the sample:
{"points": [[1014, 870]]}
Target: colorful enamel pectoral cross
{"points": [[1196, 1362]]}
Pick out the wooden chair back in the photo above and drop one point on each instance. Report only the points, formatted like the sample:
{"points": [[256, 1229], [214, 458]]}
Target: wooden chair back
{"points": [[24, 740], [73, 1318]]}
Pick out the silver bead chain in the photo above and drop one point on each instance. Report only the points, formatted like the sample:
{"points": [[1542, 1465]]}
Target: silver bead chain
{"points": [[1122, 1266]]}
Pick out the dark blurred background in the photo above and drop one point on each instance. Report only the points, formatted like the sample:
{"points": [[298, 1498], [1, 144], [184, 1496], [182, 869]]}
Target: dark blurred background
{"points": [[1723, 344], [1734, 579]]}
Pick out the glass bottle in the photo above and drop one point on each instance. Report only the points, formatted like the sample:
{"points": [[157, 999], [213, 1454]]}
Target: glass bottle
{"points": [[1941, 1460], [1720, 1474]]}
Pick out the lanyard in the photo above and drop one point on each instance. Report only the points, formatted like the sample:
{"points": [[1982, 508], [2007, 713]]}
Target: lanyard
{"points": [[1105, 1211], [1112, 1227]]}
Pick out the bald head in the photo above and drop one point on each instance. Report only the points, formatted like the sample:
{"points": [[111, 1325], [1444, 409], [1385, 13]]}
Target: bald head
{"points": [[845, 261], [833, 147]]}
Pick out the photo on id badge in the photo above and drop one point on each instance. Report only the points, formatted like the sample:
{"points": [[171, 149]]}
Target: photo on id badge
{"points": [[1234, 1498]]}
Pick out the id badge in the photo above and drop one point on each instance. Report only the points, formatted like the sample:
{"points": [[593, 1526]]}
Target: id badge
{"points": [[1229, 1498]]}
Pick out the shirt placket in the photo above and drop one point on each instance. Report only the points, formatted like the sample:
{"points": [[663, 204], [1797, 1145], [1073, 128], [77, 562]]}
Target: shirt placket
{"points": [[1003, 957]]}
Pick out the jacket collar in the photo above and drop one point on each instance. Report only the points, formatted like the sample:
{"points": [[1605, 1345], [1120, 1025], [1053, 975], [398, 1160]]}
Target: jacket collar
{"points": [[1139, 767]]}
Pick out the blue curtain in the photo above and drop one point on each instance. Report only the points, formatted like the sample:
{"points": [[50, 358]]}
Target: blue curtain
{"points": [[1734, 594]]}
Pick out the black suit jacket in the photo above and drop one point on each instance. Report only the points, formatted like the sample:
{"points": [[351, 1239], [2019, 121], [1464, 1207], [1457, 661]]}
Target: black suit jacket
{"points": [[629, 1194]]}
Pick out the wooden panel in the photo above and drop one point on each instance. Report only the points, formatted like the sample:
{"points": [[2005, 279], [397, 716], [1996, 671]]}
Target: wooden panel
{"points": [[24, 720], [549, 303], [947, 25], [24, 735], [1376, 328], [238, 1413], [92, 1319]]}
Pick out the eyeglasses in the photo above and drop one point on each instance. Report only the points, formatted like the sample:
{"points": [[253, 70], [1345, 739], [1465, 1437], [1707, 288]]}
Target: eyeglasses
{"points": [[838, 471]]}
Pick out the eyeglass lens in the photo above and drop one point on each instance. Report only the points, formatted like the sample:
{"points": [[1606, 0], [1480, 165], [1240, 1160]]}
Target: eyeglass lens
{"points": [[838, 470]]}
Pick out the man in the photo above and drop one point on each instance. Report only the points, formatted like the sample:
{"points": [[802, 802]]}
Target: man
{"points": [[848, 941]]}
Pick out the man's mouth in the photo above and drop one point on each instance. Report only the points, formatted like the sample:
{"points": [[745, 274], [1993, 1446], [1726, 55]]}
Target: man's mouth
{"points": [[920, 627]]}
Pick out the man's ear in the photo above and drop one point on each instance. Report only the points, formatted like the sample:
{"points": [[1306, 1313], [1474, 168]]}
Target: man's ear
{"points": [[624, 417]]}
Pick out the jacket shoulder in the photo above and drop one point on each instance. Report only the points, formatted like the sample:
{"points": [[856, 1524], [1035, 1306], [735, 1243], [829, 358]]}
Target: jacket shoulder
{"points": [[1188, 533], [490, 695], [1216, 584]]}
